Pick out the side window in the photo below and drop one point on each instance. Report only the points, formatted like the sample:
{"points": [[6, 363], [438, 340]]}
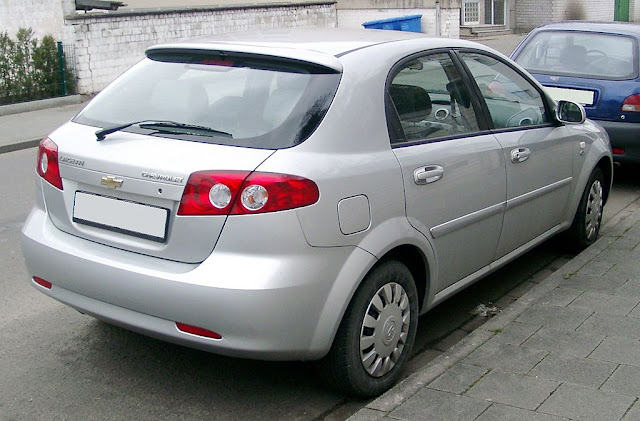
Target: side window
{"points": [[431, 99], [512, 100]]}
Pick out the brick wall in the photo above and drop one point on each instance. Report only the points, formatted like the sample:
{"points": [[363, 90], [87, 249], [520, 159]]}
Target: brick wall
{"points": [[449, 19], [531, 13], [634, 12], [108, 44], [583, 10]]}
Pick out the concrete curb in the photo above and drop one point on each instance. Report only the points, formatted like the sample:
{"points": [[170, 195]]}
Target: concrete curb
{"points": [[40, 104], [399, 394], [23, 144]]}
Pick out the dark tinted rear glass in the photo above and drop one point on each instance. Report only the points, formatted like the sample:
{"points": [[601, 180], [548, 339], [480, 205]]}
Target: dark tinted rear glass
{"points": [[581, 54], [262, 102]]}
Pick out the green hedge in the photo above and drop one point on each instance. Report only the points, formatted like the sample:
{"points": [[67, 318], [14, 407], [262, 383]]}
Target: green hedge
{"points": [[30, 70]]}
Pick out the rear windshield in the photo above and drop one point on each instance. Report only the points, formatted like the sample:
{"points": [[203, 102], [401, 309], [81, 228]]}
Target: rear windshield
{"points": [[246, 101], [581, 54]]}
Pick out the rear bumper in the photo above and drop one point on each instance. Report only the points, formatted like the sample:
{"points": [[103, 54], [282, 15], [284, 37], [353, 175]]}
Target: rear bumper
{"points": [[624, 135], [268, 306]]}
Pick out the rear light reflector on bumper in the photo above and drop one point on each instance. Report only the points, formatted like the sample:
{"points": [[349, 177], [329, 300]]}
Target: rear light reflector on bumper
{"points": [[243, 192], [47, 166], [42, 282], [195, 330], [618, 151]]}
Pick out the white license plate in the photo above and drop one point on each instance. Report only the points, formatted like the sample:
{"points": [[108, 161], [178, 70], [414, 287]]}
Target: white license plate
{"points": [[119, 215], [580, 96]]}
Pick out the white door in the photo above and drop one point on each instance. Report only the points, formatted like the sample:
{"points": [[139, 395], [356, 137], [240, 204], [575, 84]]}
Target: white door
{"points": [[494, 12]]}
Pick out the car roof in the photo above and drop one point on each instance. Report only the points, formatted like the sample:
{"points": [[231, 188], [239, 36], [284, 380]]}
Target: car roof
{"points": [[332, 41], [323, 46], [623, 28]]}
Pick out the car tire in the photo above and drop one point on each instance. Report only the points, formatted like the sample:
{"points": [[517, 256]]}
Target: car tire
{"points": [[586, 223], [382, 317]]}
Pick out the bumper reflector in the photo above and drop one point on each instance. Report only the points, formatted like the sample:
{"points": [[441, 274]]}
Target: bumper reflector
{"points": [[42, 282], [195, 330], [618, 151]]}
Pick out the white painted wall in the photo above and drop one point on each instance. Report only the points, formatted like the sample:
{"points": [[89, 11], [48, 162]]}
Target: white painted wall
{"points": [[151, 4], [449, 19], [108, 44], [44, 17], [531, 13]]}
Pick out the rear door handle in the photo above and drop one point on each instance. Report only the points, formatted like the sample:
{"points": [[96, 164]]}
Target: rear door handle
{"points": [[520, 155], [428, 174]]}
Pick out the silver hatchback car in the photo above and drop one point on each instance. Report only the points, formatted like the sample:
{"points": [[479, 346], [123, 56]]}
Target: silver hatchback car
{"points": [[307, 194]]}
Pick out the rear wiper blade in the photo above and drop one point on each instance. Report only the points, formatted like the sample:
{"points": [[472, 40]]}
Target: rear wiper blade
{"points": [[160, 124], [188, 128]]}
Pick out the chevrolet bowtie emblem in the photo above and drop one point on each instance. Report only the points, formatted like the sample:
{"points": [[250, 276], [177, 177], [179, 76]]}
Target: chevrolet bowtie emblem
{"points": [[111, 181]]}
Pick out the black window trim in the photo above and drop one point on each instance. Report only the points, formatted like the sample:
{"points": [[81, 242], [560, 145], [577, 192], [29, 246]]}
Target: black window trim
{"points": [[548, 103]]}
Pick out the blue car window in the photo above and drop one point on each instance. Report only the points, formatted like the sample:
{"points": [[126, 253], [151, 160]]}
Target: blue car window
{"points": [[580, 54]]}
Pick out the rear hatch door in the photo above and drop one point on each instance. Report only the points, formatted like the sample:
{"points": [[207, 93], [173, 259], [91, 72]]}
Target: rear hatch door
{"points": [[180, 111], [125, 191]]}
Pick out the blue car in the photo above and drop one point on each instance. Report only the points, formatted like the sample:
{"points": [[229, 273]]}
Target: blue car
{"points": [[596, 65]]}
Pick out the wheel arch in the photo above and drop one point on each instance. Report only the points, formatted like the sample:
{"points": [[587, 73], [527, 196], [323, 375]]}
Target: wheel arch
{"points": [[353, 273], [597, 158], [413, 258], [606, 165]]}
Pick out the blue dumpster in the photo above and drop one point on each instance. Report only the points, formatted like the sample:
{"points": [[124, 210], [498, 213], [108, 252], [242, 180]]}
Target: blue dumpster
{"points": [[409, 23]]}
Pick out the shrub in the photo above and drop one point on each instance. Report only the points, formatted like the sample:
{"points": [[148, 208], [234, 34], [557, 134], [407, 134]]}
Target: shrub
{"points": [[29, 69]]}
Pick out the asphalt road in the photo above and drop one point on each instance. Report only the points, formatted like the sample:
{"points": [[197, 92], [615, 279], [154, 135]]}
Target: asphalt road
{"points": [[57, 364]]}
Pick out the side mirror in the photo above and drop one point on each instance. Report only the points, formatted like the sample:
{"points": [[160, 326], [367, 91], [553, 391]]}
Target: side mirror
{"points": [[570, 112]]}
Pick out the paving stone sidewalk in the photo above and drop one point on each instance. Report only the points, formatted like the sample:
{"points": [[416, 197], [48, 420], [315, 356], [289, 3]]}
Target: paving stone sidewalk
{"points": [[569, 349]]}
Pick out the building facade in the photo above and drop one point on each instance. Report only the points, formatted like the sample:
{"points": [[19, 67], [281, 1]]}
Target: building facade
{"points": [[480, 16]]}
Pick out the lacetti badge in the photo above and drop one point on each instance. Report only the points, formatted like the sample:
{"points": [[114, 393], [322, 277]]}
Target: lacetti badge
{"points": [[162, 177], [71, 161], [111, 181]]}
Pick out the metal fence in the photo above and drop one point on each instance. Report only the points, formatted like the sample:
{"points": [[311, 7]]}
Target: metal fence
{"points": [[31, 70]]}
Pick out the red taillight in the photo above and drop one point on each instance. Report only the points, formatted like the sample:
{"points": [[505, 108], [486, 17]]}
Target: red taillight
{"points": [[47, 166], [241, 193], [205, 191], [42, 282], [617, 151], [195, 330], [631, 104]]}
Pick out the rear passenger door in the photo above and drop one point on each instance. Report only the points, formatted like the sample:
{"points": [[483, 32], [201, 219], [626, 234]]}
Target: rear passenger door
{"points": [[453, 167], [538, 152]]}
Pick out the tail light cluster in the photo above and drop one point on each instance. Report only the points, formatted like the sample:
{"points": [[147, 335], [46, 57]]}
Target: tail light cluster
{"points": [[244, 192], [631, 104], [47, 166]]}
